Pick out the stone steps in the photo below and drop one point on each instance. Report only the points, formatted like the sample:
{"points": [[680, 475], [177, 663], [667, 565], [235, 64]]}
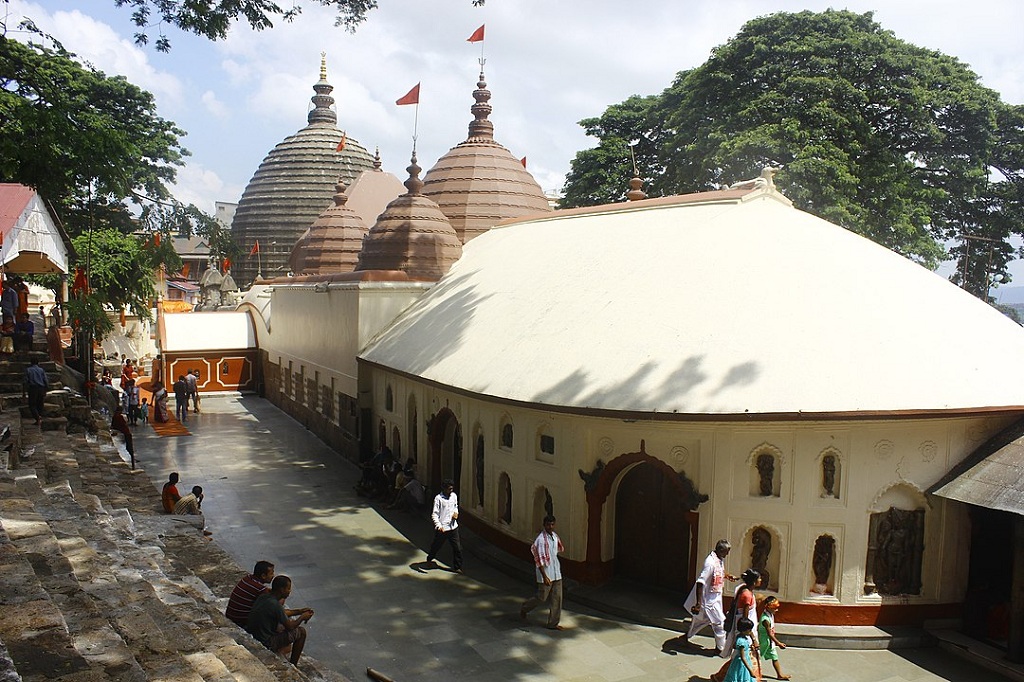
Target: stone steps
{"points": [[96, 584]]}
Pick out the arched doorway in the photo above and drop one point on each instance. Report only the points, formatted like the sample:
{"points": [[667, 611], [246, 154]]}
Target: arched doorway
{"points": [[654, 530], [445, 449]]}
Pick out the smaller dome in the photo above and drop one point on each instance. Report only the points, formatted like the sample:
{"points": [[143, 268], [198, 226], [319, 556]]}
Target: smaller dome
{"points": [[478, 183], [211, 277], [333, 241], [411, 235]]}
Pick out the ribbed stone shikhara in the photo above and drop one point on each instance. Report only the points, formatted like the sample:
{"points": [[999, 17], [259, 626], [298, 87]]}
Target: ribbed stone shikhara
{"points": [[293, 185], [478, 182], [411, 235], [333, 242]]}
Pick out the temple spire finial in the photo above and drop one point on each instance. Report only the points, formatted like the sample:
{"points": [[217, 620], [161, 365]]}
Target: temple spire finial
{"points": [[322, 100], [480, 127], [414, 184]]}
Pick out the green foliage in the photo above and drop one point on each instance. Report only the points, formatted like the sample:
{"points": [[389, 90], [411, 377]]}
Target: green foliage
{"points": [[94, 147], [601, 175], [212, 18], [70, 131], [887, 139]]}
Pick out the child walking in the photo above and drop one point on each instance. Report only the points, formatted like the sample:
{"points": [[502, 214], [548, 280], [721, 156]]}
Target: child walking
{"points": [[770, 644], [742, 669]]}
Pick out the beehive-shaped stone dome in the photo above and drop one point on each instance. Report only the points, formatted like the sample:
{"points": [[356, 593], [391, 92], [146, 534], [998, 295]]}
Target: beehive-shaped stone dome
{"points": [[411, 235], [333, 241], [478, 182], [293, 185]]}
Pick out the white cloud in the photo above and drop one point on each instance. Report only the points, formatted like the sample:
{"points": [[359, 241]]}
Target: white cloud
{"points": [[214, 105], [98, 44]]}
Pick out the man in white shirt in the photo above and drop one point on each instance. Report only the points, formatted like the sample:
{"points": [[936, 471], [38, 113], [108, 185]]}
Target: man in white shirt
{"points": [[545, 551], [705, 600], [446, 525]]}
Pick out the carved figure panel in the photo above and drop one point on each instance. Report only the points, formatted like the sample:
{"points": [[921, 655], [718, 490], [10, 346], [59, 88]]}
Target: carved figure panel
{"points": [[895, 551], [766, 474], [761, 548], [821, 564]]}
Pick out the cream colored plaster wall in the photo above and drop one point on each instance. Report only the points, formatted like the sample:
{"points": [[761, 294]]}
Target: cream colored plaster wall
{"points": [[321, 329], [880, 464]]}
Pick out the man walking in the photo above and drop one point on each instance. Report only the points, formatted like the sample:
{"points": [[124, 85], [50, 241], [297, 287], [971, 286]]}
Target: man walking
{"points": [[36, 383], [181, 399], [445, 515], [271, 624], [192, 379], [705, 600], [545, 551]]}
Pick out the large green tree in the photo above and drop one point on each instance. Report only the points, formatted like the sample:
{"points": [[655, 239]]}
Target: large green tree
{"points": [[95, 148], [213, 18], [893, 141]]}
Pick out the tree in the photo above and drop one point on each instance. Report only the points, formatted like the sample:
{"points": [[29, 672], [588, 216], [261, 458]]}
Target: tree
{"points": [[94, 147], [601, 175], [213, 18], [887, 139]]}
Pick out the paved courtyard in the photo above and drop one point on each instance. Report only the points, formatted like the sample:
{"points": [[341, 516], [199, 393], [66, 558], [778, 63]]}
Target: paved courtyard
{"points": [[274, 491]]}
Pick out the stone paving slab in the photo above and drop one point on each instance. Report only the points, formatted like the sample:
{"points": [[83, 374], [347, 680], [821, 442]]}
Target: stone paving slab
{"points": [[274, 491]]}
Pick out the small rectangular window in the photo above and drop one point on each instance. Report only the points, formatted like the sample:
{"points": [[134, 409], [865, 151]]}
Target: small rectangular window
{"points": [[547, 445]]}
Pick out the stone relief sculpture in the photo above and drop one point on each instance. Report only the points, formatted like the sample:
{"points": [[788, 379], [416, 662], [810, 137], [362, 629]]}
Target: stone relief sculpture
{"points": [[761, 547], [766, 474], [828, 476], [590, 480], [478, 465], [895, 550], [821, 564]]}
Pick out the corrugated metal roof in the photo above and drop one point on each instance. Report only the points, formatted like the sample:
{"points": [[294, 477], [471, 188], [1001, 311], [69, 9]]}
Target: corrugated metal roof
{"points": [[992, 476]]}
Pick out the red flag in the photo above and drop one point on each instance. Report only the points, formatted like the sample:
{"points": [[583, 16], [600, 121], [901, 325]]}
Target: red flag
{"points": [[523, 161], [344, 137], [478, 35], [411, 97], [255, 249]]}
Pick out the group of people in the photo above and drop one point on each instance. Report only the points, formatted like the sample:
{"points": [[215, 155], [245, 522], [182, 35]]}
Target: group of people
{"points": [[257, 604], [741, 636], [16, 329], [190, 505], [186, 389]]}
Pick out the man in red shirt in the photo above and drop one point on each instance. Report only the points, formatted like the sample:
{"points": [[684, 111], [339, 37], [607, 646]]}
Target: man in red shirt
{"points": [[246, 591]]}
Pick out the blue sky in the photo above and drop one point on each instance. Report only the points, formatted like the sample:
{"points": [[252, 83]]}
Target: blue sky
{"points": [[549, 64]]}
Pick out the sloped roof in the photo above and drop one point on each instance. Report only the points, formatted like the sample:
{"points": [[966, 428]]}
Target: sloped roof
{"points": [[721, 303]]}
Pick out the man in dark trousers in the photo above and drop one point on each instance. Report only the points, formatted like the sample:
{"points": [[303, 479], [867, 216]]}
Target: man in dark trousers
{"points": [[181, 399], [445, 515], [277, 628], [36, 383]]}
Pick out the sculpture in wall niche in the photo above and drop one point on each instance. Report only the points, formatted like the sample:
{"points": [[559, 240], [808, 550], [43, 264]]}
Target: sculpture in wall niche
{"points": [[766, 474], [478, 464], [828, 475], [761, 547], [590, 480], [691, 498], [895, 550], [506, 499], [821, 563]]}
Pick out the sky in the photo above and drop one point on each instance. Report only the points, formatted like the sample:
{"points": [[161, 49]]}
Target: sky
{"points": [[548, 65]]}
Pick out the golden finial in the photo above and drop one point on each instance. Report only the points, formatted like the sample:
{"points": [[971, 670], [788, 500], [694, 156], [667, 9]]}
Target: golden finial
{"points": [[323, 66]]}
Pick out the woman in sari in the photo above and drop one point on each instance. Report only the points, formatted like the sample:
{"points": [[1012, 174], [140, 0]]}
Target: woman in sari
{"points": [[160, 402]]}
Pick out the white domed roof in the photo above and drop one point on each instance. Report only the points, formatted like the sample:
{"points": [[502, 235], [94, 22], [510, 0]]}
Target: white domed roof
{"points": [[722, 303]]}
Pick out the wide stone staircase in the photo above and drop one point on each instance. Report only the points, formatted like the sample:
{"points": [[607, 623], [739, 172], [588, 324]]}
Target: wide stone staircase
{"points": [[96, 583]]}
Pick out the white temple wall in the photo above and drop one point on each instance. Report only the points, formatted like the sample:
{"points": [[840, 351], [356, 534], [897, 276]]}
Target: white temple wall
{"points": [[879, 464]]}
